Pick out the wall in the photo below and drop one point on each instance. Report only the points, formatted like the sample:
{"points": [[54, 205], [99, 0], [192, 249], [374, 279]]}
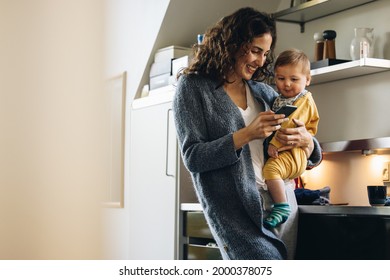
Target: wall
{"points": [[53, 148], [347, 174], [55, 58], [130, 31], [349, 109]]}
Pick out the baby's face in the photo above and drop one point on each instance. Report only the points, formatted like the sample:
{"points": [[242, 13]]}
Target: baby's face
{"points": [[290, 80]]}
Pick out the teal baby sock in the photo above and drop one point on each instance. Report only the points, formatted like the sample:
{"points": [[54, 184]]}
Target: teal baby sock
{"points": [[279, 214]]}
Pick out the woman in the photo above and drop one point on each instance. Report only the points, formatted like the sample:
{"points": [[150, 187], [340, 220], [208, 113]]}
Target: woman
{"points": [[222, 118]]}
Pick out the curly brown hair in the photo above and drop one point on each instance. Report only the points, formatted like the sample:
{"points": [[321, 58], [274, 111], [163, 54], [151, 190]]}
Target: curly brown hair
{"points": [[215, 56]]}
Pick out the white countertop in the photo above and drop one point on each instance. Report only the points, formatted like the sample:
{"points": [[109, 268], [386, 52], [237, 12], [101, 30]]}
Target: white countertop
{"points": [[190, 207], [316, 209]]}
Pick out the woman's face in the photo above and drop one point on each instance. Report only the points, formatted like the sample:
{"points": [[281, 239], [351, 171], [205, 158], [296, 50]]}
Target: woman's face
{"points": [[247, 62]]}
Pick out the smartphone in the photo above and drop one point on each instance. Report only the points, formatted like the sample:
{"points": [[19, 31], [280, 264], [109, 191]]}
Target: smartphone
{"points": [[287, 110]]}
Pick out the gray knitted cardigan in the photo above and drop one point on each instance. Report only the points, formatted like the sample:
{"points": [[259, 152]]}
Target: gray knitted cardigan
{"points": [[224, 179]]}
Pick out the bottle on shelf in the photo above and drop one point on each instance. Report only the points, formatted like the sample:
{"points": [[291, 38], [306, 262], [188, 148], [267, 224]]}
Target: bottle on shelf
{"points": [[319, 46], [362, 43], [329, 44]]}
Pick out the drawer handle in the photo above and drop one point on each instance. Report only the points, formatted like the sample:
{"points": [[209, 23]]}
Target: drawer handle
{"points": [[168, 142]]}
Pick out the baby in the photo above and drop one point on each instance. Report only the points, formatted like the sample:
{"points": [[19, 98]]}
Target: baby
{"points": [[292, 75]]}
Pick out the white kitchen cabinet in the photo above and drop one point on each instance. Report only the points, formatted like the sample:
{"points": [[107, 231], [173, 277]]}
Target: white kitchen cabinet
{"points": [[153, 194]]}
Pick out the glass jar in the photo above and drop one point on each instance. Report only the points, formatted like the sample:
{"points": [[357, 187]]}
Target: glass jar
{"points": [[362, 43]]}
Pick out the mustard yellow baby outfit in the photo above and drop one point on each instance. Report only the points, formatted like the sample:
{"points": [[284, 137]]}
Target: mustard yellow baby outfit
{"points": [[292, 163]]}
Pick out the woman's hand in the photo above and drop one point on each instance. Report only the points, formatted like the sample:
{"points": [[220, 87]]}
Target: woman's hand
{"points": [[296, 137], [265, 124], [261, 127]]}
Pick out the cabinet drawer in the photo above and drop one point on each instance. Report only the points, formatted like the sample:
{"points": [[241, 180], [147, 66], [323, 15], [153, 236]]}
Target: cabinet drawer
{"points": [[199, 252], [196, 225]]}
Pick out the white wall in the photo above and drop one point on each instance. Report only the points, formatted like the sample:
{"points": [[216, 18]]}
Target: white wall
{"points": [[131, 30], [349, 109]]}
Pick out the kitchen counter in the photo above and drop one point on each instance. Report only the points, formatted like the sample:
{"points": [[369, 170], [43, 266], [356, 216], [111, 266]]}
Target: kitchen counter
{"points": [[343, 232], [190, 207], [330, 232], [316, 209], [345, 210]]}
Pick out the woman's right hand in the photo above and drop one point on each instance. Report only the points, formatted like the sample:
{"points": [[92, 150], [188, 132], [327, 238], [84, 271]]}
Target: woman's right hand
{"points": [[265, 124], [261, 127]]}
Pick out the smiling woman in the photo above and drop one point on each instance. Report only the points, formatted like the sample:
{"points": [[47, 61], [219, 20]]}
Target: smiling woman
{"points": [[221, 109]]}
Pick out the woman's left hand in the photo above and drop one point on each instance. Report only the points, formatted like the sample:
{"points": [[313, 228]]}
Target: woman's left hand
{"points": [[296, 137]]}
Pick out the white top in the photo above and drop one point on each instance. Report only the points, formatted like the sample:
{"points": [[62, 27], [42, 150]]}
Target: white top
{"points": [[255, 146]]}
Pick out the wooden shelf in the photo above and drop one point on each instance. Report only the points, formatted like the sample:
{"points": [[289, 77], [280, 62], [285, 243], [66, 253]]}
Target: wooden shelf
{"points": [[315, 9], [364, 66]]}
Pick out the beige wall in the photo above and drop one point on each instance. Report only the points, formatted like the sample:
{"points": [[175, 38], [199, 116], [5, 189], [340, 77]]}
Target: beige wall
{"points": [[52, 114], [348, 175]]}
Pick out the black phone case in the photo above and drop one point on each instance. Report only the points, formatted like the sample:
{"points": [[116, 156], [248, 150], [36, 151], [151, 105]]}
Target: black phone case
{"points": [[287, 110]]}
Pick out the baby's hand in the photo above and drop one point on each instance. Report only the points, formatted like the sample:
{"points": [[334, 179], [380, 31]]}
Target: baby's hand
{"points": [[273, 151]]}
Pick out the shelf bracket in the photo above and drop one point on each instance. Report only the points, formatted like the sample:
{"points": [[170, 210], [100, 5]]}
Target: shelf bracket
{"points": [[302, 25]]}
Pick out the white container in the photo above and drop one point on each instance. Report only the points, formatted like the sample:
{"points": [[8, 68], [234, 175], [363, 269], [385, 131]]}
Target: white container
{"points": [[171, 52], [179, 64]]}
